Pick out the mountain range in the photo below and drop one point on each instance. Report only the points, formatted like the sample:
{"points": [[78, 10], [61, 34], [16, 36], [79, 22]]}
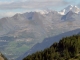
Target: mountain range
{"points": [[21, 32]]}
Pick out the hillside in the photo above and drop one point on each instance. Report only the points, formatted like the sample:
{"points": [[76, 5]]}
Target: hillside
{"points": [[2, 57], [47, 42], [67, 48]]}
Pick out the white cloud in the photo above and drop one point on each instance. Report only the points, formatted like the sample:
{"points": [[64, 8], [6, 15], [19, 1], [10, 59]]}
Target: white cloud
{"points": [[8, 14], [11, 13], [31, 4], [27, 5]]}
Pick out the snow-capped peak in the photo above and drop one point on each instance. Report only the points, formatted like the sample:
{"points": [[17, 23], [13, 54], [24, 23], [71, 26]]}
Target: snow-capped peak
{"points": [[72, 8]]}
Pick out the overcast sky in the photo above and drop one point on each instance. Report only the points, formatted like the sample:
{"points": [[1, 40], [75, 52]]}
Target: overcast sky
{"points": [[11, 7]]}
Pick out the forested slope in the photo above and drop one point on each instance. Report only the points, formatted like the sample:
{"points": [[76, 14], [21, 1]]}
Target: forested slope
{"points": [[67, 48]]}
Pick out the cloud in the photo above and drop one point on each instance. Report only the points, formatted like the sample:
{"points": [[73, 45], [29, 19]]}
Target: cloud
{"points": [[11, 13], [7, 14], [32, 4]]}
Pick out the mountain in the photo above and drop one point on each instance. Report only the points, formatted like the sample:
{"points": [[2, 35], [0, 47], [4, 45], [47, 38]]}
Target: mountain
{"points": [[48, 42], [67, 48], [70, 16], [21, 32], [72, 8]]}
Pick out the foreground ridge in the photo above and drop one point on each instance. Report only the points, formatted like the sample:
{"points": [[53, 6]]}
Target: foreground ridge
{"points": [[68, 48]]}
